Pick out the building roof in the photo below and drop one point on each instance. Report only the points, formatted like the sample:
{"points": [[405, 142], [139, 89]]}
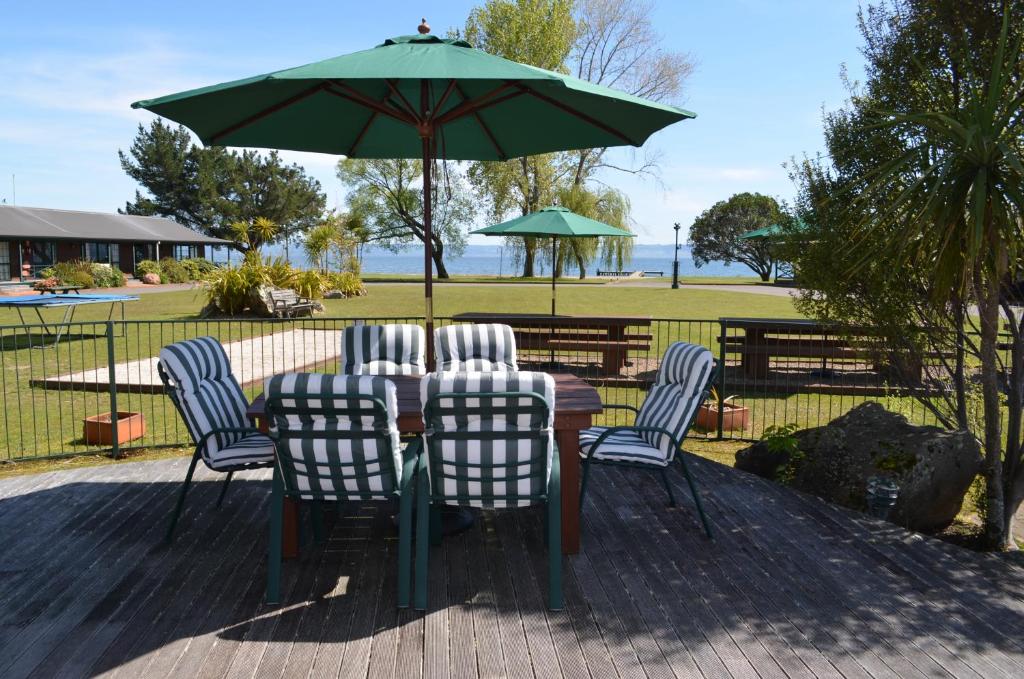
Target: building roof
{"points": [[39, 223]]}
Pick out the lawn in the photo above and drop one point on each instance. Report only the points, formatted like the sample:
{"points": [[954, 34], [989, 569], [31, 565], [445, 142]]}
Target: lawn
{"points": [[47, 422]]}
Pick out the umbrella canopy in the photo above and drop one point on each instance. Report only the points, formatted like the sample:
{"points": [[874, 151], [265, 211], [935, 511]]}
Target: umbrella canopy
{"points": [[417, 96], [554, 222], [772, 231]]}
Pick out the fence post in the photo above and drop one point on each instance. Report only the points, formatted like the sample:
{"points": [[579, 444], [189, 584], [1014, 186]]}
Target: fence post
{"points": [[112, 379], [723, 326]]}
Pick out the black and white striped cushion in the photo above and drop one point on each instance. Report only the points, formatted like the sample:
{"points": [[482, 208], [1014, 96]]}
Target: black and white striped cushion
{"points": [[395, 349], [484, 472], [210, 397], [686, 364], [622, 446], [475, 347], [366, 465]]}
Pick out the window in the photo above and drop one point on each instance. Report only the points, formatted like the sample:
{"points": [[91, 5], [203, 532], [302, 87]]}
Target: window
{"points": [[5, 261], [184, 252], [39, 254], [104, 253]]}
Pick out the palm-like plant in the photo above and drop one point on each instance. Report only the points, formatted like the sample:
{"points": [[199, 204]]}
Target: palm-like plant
{"points": [[951, 203]]}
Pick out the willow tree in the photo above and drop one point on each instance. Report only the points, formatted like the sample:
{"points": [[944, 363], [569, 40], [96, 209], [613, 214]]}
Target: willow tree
{"points": [[932, 155], [606, 205]]}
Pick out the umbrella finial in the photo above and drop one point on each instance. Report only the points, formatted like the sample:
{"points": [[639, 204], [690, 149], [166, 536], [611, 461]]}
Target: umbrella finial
{"points": [[424, 27]]}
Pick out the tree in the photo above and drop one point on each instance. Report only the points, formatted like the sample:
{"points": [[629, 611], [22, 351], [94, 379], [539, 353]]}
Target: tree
{"points": [[926, 178], [539, 33], [715, 234], [605, 205], [617, 45], [208, 189], [610, 42], [387, 195], [336, 234]]}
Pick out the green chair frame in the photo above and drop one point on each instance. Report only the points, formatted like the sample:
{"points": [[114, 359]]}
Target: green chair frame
{"points": [[197, 455], [285, 474], [677, 443], [429, 496]]}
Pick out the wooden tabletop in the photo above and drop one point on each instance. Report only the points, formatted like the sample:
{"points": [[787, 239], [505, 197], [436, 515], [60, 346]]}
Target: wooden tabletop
{"points": [[573, 397], [545, 320]]}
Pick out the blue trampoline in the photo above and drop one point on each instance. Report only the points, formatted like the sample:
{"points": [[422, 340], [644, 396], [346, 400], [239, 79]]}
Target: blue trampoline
{"points": [[70, 302]]}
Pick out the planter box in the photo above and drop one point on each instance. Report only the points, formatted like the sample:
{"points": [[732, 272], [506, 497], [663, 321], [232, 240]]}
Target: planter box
{"points": [[99, 429], [733, 417]]}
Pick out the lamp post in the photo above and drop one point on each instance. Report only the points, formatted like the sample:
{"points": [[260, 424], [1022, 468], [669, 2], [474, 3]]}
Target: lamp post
{"points": [[675, 264]]}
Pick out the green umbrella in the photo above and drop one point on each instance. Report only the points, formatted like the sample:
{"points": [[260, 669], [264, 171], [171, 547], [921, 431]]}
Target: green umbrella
{"points": [[417, 96], [555, 222], [770, 231]]}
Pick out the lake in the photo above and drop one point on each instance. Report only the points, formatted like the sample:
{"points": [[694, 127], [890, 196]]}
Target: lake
{"points": [[497, 260]]}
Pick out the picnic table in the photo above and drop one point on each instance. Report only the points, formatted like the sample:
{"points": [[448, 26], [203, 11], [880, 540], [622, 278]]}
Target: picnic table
{"points": [[576, 403], [613, 337], [766, 338], [61, 289]]}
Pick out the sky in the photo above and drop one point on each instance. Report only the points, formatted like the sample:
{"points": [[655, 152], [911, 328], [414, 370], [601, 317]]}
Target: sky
{"points": [[69, 71]]}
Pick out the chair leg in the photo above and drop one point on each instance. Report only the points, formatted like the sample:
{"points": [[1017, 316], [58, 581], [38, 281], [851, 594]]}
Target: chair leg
{"points": [[696, 495], [274, 548], [554, 537], [405, 508], [181, 496], [224, 489], [668, 487], [316, 520], [583, 480], [435, 525], [422, 537]]}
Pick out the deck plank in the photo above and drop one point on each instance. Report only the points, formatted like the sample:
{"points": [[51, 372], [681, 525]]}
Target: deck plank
{"points": [[790, 588]]}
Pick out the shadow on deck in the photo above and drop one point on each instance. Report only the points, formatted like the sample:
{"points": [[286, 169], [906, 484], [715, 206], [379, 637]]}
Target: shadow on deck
{"points": [[791, 587]]}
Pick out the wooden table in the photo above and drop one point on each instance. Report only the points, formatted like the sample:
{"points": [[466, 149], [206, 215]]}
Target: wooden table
{"points": [[576, 403], [610, 336]]}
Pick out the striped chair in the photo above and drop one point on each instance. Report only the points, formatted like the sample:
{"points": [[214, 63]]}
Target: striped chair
{"points": [[488, 442], [660, 425], [475, 347], [395, 349], [197, 376], [337, 440]]}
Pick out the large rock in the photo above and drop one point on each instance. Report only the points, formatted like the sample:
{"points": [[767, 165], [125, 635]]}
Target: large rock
{"points": [[933, 467]]}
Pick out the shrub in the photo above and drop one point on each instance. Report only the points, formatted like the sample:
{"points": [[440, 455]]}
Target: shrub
{"points": [[171, 271], [347, 283], [106, 276], [310, 284], [147, 266], [75, 272], [197, 267]]}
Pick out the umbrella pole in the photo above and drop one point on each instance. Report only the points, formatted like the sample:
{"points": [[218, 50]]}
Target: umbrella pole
{"points": [[554, 253], [426, 135]]}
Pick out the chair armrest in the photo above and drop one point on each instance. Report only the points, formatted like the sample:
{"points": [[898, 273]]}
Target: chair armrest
{"points": [[620, 406], [611, 430], [204, 439]]}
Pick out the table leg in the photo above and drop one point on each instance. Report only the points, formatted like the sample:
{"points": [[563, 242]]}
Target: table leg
{"points": [[290, 529], [569, 457]]}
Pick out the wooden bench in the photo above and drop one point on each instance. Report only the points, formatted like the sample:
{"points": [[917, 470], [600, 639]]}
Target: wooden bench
{"points": [[288, 304], [764, 339], [612, 338]]}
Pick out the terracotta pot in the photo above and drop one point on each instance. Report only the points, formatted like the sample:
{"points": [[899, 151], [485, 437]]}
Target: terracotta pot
{"points": [[733, 417], [99, 429]]}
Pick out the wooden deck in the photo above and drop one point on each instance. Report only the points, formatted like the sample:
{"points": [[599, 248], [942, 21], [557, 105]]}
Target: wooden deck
{"points": [[791, 587]]}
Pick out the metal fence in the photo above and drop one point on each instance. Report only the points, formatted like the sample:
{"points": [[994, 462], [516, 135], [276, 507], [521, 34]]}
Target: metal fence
{"points": [[789, 375]]}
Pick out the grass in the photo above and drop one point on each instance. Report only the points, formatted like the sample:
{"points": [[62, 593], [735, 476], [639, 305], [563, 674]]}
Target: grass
{"points": [[38, 422]]}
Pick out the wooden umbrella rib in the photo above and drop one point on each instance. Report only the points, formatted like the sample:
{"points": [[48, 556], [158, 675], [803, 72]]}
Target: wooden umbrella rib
{"points": [[405, 102], [346, 92], [483, 126], [582, 116], [444, 97], [362, 133], [266, 112], [467, 107]]}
